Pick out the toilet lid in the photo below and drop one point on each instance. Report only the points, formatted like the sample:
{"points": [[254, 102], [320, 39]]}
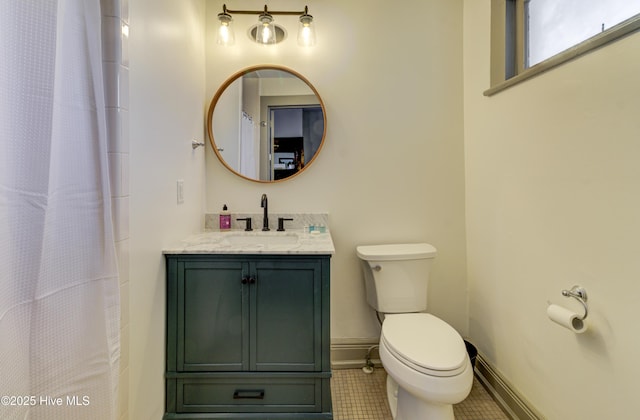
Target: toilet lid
{"points": [[425, 343]]}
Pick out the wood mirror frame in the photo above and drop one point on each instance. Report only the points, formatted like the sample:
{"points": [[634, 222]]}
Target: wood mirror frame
{"points": [[268, 90]]}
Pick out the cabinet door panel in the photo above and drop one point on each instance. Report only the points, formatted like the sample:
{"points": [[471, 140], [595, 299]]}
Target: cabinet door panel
{"points": [[286, 323], [214, 326]]}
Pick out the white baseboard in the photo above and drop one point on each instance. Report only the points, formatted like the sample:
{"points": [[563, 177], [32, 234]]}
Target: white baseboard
{"points": [[352, 353], [504, 393]]}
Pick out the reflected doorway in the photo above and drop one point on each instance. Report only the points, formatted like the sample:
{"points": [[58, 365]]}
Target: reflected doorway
{"points": [[295, 135]]}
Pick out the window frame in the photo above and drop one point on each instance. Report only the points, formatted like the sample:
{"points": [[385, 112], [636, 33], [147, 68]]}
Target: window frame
{"points": [[508, 27]]}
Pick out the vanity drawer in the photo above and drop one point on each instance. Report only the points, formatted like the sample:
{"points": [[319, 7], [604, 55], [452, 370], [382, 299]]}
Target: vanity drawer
{"points": [[265, 395]]}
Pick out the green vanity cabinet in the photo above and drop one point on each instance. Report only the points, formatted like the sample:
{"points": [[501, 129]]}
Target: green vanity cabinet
{"points": [[248, 337]]}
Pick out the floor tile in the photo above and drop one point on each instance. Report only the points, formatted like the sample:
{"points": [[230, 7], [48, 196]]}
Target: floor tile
{"points": [[361, 396]]}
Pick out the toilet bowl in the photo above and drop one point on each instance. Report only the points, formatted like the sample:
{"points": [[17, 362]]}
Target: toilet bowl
{"points": [[426, 360], [427, 365]]}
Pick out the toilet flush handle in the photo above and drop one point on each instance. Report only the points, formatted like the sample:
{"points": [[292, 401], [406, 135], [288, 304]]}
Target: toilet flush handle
{"points": [[376, 267]]}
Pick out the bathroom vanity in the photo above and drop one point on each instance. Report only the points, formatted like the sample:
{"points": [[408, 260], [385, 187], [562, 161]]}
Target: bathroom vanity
{"points": [[248, 327]]}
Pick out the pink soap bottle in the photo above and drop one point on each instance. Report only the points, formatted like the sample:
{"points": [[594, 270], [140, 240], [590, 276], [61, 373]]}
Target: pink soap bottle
{"points": [[225, 219]]}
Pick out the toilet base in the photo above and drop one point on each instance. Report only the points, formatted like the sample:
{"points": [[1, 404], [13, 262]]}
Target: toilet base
{"points": [[420, 396], [413, 408], [392, 396]]}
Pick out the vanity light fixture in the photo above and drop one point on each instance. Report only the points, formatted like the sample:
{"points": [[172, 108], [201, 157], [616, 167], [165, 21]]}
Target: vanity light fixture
{"points": [[225, 31], [306, 30], [266, 32]]}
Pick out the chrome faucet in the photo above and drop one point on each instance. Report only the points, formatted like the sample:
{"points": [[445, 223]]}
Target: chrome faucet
{"points": [[265, 205]]}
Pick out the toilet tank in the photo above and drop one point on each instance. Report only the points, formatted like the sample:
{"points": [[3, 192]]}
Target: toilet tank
{"points": [[396, 276]]}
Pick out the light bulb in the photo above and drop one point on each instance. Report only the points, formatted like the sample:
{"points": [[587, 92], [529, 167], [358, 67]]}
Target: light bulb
{"points": [[306, 31], [265, 33], [225, 31]]}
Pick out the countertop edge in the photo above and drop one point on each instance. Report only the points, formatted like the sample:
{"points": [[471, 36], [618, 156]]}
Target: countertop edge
{"points": [[214, 243]]}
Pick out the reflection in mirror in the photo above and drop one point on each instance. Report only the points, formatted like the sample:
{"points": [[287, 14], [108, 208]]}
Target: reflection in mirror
{"points": [[266, 123]]}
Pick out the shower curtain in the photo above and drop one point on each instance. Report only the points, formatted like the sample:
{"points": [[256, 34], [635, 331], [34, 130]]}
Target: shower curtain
{"points": [[59, 296]]}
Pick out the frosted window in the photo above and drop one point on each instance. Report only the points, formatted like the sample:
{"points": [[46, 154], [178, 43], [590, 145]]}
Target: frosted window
{"points": [[556, 25]]}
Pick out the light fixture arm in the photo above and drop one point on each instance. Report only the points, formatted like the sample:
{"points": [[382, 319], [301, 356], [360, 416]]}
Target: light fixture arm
{"points": [[259, 12], [266, 34]]}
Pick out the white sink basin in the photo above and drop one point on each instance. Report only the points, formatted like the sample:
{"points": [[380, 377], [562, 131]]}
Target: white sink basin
{"points": [[262, 238]]}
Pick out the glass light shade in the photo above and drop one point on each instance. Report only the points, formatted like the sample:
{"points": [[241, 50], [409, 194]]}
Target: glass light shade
{"points": [[306, 31], [266, 32], [225, 31]]}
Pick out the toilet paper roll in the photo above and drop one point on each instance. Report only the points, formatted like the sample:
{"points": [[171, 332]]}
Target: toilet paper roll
{"points": [[566, 318]]}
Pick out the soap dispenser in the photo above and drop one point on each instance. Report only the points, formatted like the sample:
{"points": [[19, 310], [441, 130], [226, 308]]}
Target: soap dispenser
{"points": [[225, 218]]}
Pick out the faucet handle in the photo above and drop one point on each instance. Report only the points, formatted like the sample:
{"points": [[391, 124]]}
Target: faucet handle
{"points": [[281, 221], [247, 223]]}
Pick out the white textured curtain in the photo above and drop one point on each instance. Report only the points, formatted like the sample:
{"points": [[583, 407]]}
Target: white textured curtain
{"points": [[59, 296]]}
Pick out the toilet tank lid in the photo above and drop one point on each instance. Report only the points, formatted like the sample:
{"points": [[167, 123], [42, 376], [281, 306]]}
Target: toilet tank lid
{"points": [[391, 252]]}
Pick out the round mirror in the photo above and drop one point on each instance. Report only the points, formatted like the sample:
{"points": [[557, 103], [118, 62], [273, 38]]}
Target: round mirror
{"points": [[266, 123]]}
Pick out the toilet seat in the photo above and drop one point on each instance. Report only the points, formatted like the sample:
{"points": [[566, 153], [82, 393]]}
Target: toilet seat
{"points": [[425, 343]]}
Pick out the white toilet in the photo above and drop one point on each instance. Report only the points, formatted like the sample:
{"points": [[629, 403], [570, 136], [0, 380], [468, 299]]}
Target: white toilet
{"points": [[425, 358]]}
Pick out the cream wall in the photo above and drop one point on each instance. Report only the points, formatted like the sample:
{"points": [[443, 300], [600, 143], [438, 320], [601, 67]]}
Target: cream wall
{"points": [[391, 169], [166, 98], [551, 183], [553, 200]]}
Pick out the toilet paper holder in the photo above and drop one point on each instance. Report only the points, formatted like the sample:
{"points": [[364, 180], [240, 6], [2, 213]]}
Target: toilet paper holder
{"points": [[580, 294]]}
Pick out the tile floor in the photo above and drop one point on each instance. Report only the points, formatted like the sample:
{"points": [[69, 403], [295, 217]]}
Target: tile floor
{"points": [[360, 396]]}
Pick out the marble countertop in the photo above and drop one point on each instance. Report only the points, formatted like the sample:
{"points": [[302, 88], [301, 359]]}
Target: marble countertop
{"points": [[291, 242]]}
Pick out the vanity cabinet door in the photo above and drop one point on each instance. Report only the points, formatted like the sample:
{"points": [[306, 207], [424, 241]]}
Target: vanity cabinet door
{"points": [[246, 315], [212, 316], [286, 321]]}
